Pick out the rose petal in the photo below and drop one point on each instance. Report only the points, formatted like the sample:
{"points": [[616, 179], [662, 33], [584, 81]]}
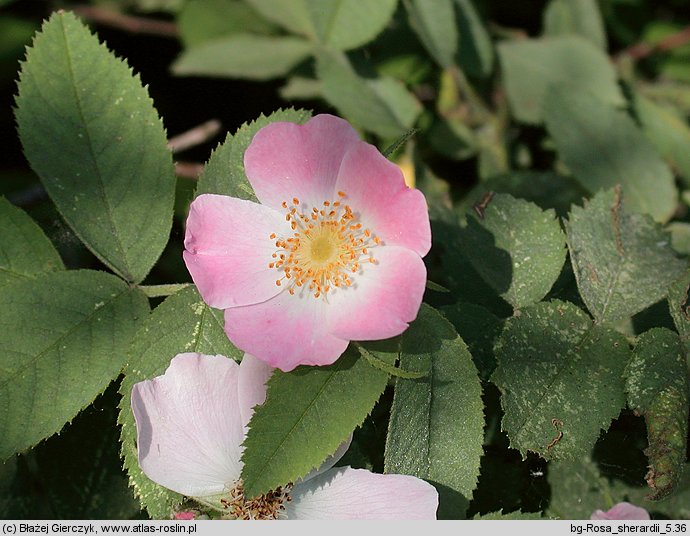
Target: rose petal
{"points": [[189, 429], [621, 511], [285, 331], [286, 160], [383, 299], [346, 493], [251, 387], [376, 190], [228, 249]]}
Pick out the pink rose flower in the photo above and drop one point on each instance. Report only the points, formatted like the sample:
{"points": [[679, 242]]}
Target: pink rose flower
{"points": [[332, 254], [191, 423], [621, 511]]}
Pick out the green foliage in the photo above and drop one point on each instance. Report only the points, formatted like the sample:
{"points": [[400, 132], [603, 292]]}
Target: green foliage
{"points": [[436, 425], [476, 51], [500, 516], [668, 131], [257, 57], [90, 131], [560, 378], [205, 20], [381, 104], [679, 307], [516, 247], [224, 172], [308, 413], [78, 473], [532, 66], [434, 24], [24, 250], [603, 147], [65, 337], [623, 262], [657, 387], [182, 323], [577, 17]]}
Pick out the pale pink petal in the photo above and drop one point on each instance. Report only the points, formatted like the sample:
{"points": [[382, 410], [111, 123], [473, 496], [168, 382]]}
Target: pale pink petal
{"points": [[228, 249], [185, 516], [189, 428], [384, 297], [286, 160], [375, 190], [621, 511], [330, 461], [251, 388], [285, 331], [346, 493]]}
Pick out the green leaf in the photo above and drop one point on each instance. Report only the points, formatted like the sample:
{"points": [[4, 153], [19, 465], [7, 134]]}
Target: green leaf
{"points": [[623, 262], [530, 66], [381, 105], [668, 132], [256, 57], [545, 189], [24, 250], [89, 130], [76, 474], [480, 329], [603, 147], [679, 307], [434, 24], [182, 323], [657, 387], [476, 51], [516, 247], [65, 339], [545, 357], [500, 516], [293, 16], [204, 20], [314, 406], [436, 427], [346, 24], [576, 17], [224, 172]]}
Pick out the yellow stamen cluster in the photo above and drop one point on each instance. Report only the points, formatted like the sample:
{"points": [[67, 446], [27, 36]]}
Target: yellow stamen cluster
{"points": [[267, 506], [327, 247]]}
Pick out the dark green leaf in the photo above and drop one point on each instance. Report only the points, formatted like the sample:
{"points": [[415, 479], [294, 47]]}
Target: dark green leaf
{"points": [[434, 24], [603, 147], [679, 307], [65, 339], [668, 131], [578, 17], [531, 66], [381, 105], [500, 516], [182, 323], [516, 247], [293, 16], [224, 172], [560, 378], [316, 407], [256, 57], [24, 250], [437, 422], [657, 387], [476, 51], [90, 131], [623, 262]]}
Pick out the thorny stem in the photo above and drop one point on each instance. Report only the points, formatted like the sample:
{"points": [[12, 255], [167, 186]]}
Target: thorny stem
{"points": [[128, 23], [195, 136]]}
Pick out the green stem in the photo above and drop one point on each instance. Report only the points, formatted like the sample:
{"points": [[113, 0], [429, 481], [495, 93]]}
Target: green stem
{"points": [[160, 291]]}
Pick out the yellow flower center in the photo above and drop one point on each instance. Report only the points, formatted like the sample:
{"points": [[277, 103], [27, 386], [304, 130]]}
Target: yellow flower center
{"points": [[327, 247]]}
